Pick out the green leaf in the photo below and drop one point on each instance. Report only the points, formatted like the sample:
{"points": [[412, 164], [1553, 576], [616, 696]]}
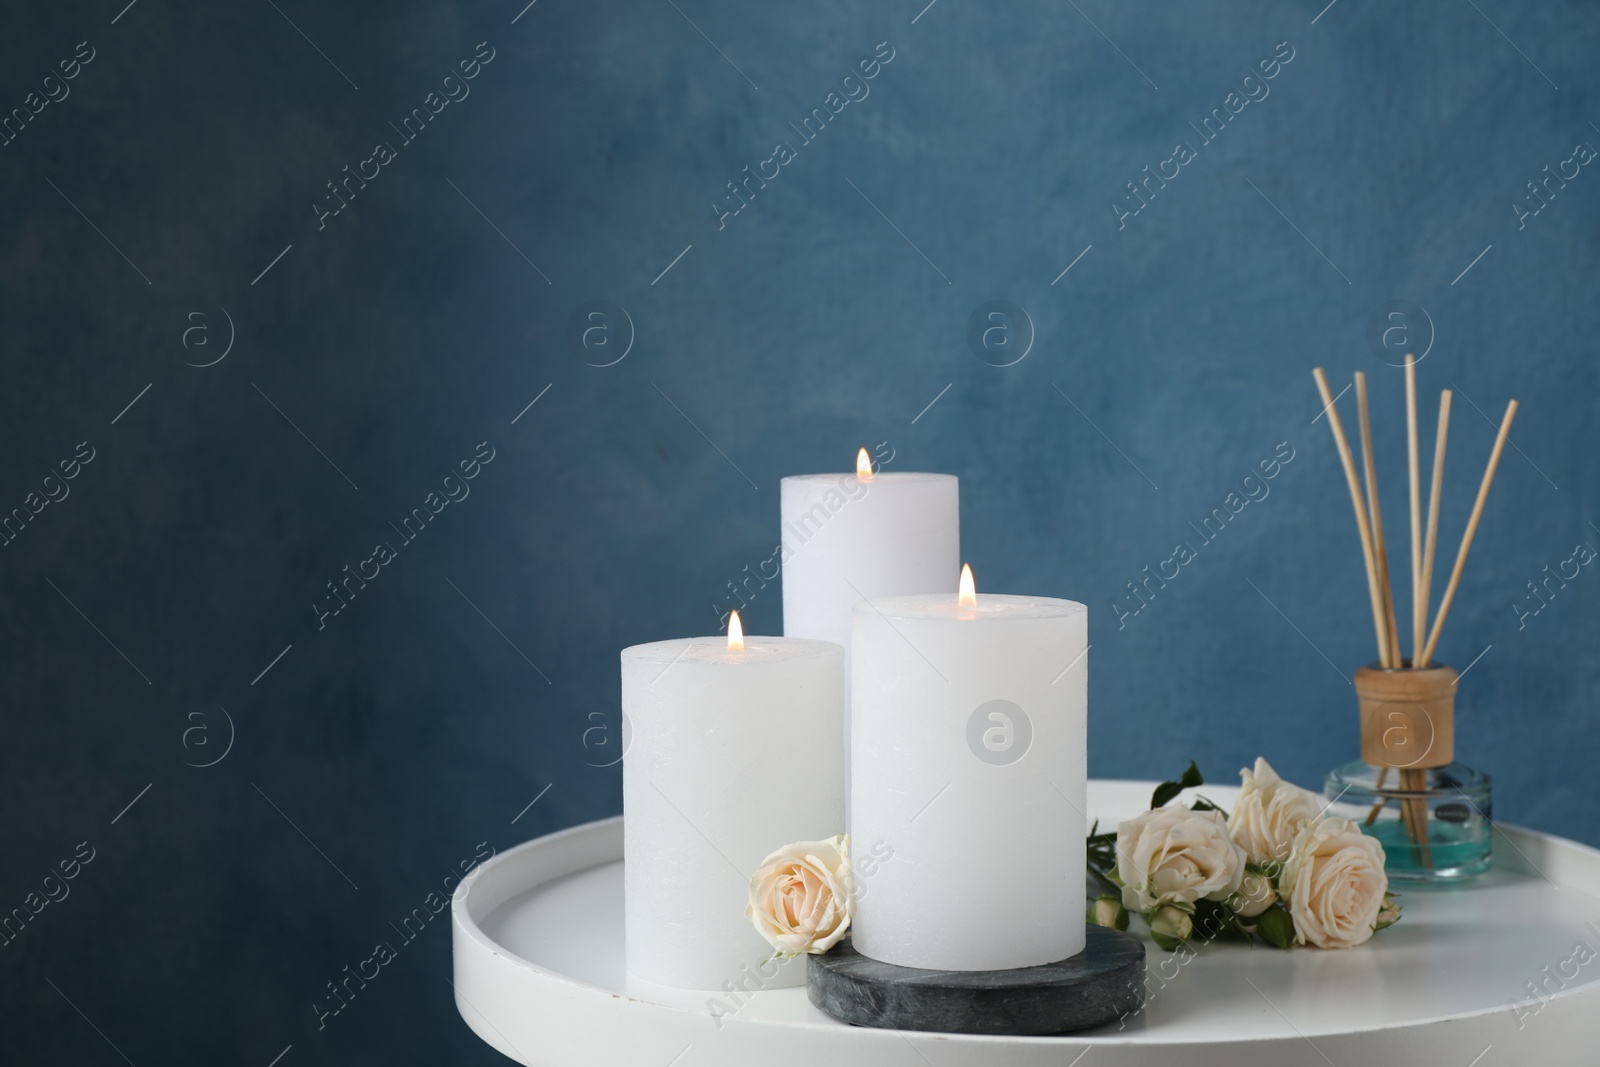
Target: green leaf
{"points": [[1101, 852], [1107, 880], [1212, 920], [1167, 790], [1276, 926]]}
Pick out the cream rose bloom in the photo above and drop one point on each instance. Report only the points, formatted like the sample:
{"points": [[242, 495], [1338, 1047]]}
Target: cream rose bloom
{"points": [[1268, 814], [1334, 884], [803, 897], [1175, 855]]}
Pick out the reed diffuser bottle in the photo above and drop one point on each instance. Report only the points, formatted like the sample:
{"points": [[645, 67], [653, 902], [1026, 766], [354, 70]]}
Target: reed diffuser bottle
{"points": [[1432, 814]]}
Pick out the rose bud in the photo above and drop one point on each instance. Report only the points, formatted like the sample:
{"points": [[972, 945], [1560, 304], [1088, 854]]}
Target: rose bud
{"points": [[1170, 926], [1107, 911], [1255, 895]]}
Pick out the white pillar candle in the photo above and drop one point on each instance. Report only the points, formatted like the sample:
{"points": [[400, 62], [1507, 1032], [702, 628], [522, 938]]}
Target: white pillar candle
{"points": [[731, 754], [853, 537], [968, 770]]}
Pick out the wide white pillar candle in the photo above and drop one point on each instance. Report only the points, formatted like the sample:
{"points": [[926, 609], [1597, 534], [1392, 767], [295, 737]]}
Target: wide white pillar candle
{"points": [[731, 754], [968, 769]]}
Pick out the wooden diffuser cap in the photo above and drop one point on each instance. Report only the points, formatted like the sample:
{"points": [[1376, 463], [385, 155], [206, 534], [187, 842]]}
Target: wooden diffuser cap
{"points": [[1407, 716]]}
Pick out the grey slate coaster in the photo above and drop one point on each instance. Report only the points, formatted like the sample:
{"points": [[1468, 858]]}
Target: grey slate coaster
{"points": [[1101, 984]]}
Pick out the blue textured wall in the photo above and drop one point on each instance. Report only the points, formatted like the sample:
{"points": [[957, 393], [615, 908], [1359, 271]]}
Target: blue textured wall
{"points": [[148, 205]]}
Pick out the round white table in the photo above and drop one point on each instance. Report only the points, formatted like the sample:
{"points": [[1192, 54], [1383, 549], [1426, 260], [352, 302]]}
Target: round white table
{"points": [[1503, 970]]}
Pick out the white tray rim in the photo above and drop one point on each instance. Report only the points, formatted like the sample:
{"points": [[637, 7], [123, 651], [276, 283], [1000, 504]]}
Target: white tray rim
{"points": [[1558, 853]]}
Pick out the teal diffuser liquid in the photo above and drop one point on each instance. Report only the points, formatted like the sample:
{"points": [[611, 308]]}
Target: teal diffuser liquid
{"points": [[1457, 827]]}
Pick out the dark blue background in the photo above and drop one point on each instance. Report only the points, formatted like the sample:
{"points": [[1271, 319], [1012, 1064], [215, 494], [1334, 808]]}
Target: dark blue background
{"points": [[415, 725]]}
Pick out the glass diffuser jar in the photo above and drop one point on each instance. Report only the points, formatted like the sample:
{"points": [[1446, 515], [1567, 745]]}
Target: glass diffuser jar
{"points": [[1432, 815]]}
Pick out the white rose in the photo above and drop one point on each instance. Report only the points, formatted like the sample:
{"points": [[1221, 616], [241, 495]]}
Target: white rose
{"points": [[1173, 854], [1334, 884], [803, 897], [1268, 814]]}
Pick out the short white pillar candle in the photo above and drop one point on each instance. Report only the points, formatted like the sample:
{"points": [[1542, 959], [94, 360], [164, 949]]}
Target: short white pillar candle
{"points": [[969, 770], [731, 754]]}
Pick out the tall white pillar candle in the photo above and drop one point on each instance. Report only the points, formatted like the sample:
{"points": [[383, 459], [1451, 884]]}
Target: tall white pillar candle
{"points": [[854, 537], [968, 770], [731, 754]]}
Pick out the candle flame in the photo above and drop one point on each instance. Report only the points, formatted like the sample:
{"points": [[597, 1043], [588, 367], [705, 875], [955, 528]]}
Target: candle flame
{"points": [[863, 464], [967, 597], [735, 633]]}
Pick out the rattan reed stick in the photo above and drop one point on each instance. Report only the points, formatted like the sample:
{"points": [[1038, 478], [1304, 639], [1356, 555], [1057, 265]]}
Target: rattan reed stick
{"points": [[1419, 655], [1354, 484], [1391, 637], [1472, 528], [1419, 611]]}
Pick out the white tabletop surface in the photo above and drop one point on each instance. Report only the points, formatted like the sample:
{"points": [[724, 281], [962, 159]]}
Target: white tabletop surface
{"points": [[539, 975]]}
